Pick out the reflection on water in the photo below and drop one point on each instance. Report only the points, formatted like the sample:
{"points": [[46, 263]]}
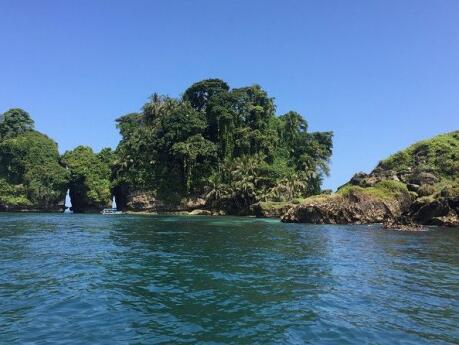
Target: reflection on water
{"points": [[130, 279]]}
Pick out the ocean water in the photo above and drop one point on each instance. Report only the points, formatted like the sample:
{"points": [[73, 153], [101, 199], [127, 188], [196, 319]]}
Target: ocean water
{"points": [[93, 279]]}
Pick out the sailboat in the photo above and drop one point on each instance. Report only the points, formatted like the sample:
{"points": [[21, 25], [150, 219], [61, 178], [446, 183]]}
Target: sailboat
{"points": [[112, 210], [68, 203]]}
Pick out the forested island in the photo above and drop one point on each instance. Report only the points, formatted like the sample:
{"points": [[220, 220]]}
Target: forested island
{"points": [[220, 150], [215, 148]]}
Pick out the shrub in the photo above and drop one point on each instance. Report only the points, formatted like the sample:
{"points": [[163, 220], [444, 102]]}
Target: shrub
{"points": [[426, 190]]}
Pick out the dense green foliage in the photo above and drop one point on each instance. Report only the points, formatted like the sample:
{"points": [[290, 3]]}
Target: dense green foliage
{"points": [[30, 173], [89, 181], [439, 155], [224, 143], [14, 122]]}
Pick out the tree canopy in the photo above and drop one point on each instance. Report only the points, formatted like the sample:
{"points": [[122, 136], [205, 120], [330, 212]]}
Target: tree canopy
{"points": [[215, 142], [31, 175], [89, 182], [221, 142], [14, 122]]}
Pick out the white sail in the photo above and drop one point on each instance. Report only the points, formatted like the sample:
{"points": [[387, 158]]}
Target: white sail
{"points": [[68, 202]]}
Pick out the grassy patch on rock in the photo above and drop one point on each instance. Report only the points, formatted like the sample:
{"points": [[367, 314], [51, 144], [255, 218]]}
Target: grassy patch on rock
{"points": [[384, 190]]}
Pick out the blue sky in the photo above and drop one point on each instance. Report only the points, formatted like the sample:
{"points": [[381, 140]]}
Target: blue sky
{"points": [[380, 74]]}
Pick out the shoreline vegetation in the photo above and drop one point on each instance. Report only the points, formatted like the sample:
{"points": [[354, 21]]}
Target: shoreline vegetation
{"points": [[223, 151]]}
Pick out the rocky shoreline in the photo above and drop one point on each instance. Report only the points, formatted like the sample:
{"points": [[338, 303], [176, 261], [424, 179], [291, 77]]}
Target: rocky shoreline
{"points": [[416, 187], [338, 211], [366, 199], [358, 208]]}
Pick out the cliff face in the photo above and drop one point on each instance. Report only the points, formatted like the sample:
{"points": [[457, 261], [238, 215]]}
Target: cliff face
{"points": [[443, 211], [147, 201], [417, 185]]}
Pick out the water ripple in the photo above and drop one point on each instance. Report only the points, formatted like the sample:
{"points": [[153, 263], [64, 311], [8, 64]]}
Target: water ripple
{"points": [[86, 279]]}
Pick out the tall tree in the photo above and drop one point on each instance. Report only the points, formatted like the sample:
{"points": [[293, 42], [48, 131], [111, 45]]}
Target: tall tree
{"points": [[14, 122], [200, 93], [292, 125]]}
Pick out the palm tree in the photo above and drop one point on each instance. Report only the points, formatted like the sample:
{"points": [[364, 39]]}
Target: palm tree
{"points": [[294, 124], [157, 107], [288, 188]]}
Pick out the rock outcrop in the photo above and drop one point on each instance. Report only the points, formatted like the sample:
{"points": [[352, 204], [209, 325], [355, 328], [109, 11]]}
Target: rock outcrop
{"points": [[443, 211], [200, 213], [355, 207], [419, 185], [145, 201], [270, 209]]}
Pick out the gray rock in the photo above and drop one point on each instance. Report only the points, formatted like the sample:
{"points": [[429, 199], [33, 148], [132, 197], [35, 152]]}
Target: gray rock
{"points": [[423, 178], [200, 213], [436, 211], [354, 208], [412, 187], [358, 178]]}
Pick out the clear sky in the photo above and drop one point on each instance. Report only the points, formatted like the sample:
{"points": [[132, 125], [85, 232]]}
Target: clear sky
{"points": [[380, 74]]}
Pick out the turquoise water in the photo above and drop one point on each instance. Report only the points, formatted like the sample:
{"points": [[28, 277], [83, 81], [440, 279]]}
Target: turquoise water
{"points": [[92, 279]]}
